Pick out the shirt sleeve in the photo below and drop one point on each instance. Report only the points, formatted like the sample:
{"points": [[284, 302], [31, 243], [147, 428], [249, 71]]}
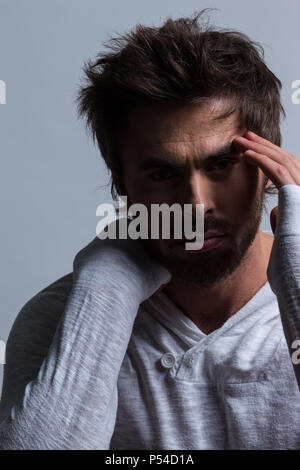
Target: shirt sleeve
{"points": [[284, 267], [63, 357]]}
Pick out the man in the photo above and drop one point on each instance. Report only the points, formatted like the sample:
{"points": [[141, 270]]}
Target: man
{"points": [[146, 345]]}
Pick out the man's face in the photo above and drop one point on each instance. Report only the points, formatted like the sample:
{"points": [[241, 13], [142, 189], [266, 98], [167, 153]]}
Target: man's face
{"points": [[182, 154]]}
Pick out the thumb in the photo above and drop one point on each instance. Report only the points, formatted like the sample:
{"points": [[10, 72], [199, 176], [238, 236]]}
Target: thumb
{"points": [[273, 218]]}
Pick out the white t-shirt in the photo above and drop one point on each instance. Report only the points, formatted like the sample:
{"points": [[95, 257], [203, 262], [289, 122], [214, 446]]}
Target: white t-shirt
{"points": [[232, 389]]}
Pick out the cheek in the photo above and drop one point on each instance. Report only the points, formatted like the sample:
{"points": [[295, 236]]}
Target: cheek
{"points": [[248, 188], [251, 179], [241, 190], [137, 193], [132, 186], [145, 191]]}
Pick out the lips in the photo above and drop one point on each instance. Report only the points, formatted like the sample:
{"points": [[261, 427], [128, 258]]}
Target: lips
{"points": [[209, 234], [212, 242], [209, 244], [212, 234]]}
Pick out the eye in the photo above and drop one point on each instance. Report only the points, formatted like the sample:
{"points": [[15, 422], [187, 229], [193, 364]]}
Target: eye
{"points": [[222, 165], [161, 175]]}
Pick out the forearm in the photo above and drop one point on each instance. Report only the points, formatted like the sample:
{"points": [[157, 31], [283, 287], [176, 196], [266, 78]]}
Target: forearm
{"points": [[72, 402], [284, 265]]}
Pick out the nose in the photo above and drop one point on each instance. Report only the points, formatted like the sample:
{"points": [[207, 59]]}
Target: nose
{"points": [[199, 190]]}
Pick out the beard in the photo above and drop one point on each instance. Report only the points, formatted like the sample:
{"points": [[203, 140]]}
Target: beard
{"points": [[209, 267]]}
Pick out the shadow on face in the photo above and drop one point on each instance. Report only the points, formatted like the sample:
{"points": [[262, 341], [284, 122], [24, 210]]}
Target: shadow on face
{"points": [[184, 154]]}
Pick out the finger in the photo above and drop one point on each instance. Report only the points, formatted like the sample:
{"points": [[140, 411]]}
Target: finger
{"points": [[279, 155], [261, 140], [284, 159], [279, 174]]}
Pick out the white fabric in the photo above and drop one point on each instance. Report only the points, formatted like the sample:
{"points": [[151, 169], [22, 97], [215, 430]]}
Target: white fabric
{"points": [[99, 381]]}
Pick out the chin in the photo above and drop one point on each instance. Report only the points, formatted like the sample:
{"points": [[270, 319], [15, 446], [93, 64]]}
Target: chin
{"points": [[204, 268]]}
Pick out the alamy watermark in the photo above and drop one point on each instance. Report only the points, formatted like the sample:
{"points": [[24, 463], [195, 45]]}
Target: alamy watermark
{"points": [[296, 94], [2, 352], [2, 92], [296, 354], [2, 101], [134, 222]]}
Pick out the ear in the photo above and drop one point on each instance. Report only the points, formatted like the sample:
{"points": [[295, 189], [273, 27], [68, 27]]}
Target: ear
{"points": [[273, 218]]}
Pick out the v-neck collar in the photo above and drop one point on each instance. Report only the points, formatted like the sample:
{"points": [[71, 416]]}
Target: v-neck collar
{"points": [[168, 313]]}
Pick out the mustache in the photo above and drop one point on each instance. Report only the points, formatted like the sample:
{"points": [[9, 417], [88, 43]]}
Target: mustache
{"points": [[210, 223]]}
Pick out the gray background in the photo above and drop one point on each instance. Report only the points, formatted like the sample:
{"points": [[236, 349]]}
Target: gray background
{"points": [[52, 176]]}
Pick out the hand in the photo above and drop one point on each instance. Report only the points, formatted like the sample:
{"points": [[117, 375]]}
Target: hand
{"points": [[278, 165], [125, 260]]}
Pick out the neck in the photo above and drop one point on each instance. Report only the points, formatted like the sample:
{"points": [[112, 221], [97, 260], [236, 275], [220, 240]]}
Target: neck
{"points": [[210, 307]]}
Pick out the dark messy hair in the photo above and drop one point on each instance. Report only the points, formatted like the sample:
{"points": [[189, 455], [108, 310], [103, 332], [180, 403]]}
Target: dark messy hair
{"points": [[182, 62]]}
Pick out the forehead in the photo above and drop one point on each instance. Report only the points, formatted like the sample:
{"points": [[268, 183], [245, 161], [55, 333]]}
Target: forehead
{"points": [[177, 127]]}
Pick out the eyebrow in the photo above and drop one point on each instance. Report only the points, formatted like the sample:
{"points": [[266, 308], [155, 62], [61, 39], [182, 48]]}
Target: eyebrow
{"points": [[152, 161]]}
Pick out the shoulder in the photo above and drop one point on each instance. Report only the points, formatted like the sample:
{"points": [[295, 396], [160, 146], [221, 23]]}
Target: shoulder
{"points": [[32, 333], [43, 309]]}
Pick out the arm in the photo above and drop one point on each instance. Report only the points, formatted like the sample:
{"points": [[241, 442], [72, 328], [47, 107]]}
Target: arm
{"points": [[284, 265], [71, 403], [283, 169]]}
